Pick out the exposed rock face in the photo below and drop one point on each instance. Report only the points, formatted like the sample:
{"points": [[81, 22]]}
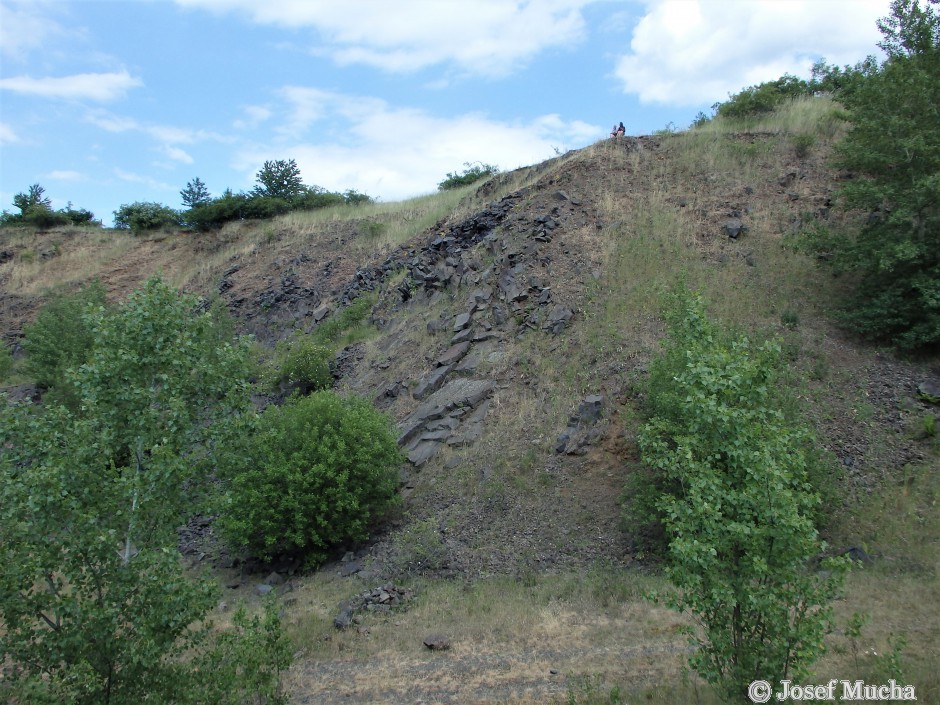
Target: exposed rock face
{"points": [[582, 429], [453, 414]]}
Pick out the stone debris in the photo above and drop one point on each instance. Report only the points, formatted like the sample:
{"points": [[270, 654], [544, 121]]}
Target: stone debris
{"points": [[378, 599]]}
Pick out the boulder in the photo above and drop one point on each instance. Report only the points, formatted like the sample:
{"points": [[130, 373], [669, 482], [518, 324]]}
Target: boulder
{"points": [[453, 354], [437, 642], [734, 228], [558, 319], [462, 321], [929, 391], [344, 619]]}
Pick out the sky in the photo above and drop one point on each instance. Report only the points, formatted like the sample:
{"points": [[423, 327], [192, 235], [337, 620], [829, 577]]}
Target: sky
{"points": [[110, 102]]}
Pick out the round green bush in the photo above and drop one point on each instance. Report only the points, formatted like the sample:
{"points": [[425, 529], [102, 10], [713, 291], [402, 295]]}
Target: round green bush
{"points": [[317, 473]]}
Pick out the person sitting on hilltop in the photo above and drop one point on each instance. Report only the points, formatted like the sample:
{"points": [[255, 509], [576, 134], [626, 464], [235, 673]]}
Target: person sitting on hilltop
{"points": [[620, 131]]}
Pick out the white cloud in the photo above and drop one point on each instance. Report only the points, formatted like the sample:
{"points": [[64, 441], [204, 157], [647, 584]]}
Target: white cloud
{"points": [[177, 154], [254, 116], [150, 182], [398, 152], [24, 27], [168, 136], [8, 135], [688, 52], [487, 37], [65, 175], [101, 87]]}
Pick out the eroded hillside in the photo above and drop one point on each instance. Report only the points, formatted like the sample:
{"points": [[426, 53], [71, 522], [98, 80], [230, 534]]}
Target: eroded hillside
{"points": [[511, 330]]}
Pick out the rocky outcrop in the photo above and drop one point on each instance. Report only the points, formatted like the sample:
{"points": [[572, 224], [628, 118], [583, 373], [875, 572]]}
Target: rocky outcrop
{"points": [[451, 415], [582, 429]]}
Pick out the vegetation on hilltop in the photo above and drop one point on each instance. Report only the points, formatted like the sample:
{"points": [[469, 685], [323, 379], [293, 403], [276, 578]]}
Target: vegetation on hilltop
{"points": [[36, 212], [893, 146], [471, 174]]}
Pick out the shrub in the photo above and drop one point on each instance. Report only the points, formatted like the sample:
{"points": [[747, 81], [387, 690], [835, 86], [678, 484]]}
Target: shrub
{"points": [[471, 174], [82, 216], [36, 211], [763, 98], [142, 216], [6, 363], [343, 324], [233, 206], [802, 144], [315, 197], [246, 662], [738, 506], [303, 364], [60, 338], [700, 120], [316, 473], [354, 198], [42, 217]]}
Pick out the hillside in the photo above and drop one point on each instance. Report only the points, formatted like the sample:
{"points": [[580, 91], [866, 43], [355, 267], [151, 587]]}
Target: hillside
{"points": [[511, 328]]}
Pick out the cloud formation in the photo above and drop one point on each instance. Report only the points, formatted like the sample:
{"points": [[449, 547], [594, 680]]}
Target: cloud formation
{"points": [[98, 87], [8, 134], [488, 37], [345, 141], [24, 28], [65, 175], [685, 52], [167, 135]]}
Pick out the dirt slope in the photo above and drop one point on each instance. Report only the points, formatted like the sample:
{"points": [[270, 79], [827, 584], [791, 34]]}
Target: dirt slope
{"points": [[516, 300]]}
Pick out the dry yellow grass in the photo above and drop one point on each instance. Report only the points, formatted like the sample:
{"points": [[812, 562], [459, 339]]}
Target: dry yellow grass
{"points": [[506, 640]]}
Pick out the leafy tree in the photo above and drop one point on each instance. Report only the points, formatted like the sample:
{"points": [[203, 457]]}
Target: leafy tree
{"points": [[93, 598], [894, 145], [280, 179], [34, 196], [141, 216], [738, 506], [195, 194], [471, 174], [315, 473]]}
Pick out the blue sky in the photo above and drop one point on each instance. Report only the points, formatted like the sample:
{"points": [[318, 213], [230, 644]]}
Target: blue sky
{"points": [[110, 102]]}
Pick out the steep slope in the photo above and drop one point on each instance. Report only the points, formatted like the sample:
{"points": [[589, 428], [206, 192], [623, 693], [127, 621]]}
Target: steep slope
{"points": [[511, 330]]}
